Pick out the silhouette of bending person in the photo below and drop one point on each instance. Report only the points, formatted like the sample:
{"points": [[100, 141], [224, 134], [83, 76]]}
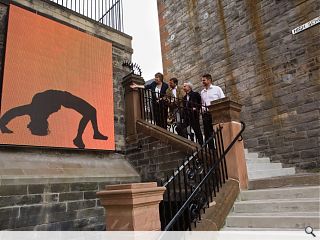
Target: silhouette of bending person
{"points": [[45, 103]]}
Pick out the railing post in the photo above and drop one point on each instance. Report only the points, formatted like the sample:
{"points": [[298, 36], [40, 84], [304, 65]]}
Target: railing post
{"points": [[132, 207], [132, 105], [227, 112]]}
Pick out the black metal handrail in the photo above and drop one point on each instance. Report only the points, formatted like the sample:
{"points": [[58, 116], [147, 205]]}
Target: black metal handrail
{"points": [[204, 173], [107, 12]]}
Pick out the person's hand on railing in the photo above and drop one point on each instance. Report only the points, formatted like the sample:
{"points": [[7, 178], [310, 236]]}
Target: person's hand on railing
{"points": [[134, 86]]}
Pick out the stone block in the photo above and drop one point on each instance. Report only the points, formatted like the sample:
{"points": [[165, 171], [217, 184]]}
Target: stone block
{"points": [[8, 190], [9, 213], [20, 200], [36, 188], [6, 224], [38, 210], [310, 143], [28, 220], [50, 198], [70, 196], [72, 206], [59, 187], [60, 216], [91, 194], [309, 165], [313, 153], [84, 186]]}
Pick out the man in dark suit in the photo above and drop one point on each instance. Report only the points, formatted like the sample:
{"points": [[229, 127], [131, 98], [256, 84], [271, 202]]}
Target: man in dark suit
{"points": [[160, 110], [191, 112]]}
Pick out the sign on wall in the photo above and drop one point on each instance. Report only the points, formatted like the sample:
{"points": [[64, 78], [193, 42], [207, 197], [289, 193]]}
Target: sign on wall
{"points": [[57, 86], [307, 25]]}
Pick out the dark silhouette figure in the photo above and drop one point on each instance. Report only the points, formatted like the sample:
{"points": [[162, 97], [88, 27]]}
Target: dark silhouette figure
{"points": [[45, 103]]}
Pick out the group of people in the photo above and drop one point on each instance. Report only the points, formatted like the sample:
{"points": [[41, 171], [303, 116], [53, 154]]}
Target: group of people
{"points": [[184, 104]]}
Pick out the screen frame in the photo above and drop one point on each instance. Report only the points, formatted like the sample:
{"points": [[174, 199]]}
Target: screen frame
{"points": [[38, 147]]}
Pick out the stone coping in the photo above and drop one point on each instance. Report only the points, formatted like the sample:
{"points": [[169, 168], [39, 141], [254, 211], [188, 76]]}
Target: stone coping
{"points": [[165, 136], [28, 180]]}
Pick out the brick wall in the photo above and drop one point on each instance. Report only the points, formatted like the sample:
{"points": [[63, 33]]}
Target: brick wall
{"points": [[248, 48]]}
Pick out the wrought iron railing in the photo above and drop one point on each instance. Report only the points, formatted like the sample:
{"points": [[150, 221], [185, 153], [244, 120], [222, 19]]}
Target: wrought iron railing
{"points": [[175, 115], [193, 185], [107, 12]]}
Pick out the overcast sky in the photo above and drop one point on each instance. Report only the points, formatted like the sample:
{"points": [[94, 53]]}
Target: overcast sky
{"points": [[141, 22]]}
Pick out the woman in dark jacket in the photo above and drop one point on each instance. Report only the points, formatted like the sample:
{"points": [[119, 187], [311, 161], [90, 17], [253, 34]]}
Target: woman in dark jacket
{"points": [[158, 90]]}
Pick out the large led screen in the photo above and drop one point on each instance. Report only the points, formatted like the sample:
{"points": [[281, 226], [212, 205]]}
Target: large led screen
{"points": [[57, 86]]}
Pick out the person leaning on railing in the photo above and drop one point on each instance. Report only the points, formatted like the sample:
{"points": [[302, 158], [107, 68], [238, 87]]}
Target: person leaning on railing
{"points": [[158, 88], [174, 96]]}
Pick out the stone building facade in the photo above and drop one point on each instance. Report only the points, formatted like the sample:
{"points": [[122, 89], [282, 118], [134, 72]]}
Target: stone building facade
{"points": [[55, 189], [251, 53]]}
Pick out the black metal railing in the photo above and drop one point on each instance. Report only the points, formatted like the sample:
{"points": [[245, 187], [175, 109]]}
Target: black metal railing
{"points": [[193, 185], [107, 12], [175, 115]]}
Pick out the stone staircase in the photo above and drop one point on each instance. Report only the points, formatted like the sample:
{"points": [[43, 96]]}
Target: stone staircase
{"points": [[276, 209], [276, 200], [259, 168]]}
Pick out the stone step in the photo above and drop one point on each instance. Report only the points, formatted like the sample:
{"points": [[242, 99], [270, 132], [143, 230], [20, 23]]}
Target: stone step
{"points": [[276, 205], [281, 193], [274, 220], [296, 180], [263, 166], [271, 173], [251, 155], [257, 160]]}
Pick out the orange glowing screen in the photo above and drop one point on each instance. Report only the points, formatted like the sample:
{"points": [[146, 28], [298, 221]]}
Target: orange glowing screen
{"points": [[57, 86]]}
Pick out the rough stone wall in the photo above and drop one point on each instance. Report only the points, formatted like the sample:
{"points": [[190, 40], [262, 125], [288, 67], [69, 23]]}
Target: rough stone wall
{"points": [[152, 159], [248, 48], [48, 207]]}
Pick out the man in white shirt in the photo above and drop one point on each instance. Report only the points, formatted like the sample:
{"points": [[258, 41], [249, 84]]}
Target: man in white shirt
{"points": [[209, 94]]}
